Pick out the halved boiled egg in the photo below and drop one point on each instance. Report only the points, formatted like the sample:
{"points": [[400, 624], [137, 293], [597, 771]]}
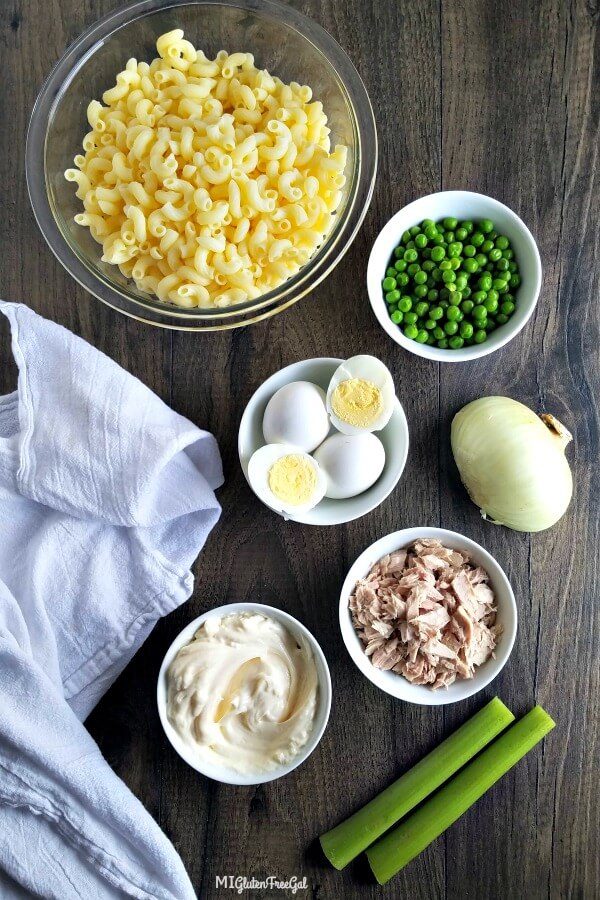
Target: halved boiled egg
{"points": [[286, 478], [361, 395]]}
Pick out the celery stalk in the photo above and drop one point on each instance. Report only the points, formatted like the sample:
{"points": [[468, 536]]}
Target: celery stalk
{"points": [[344, 842], [389, 855]]}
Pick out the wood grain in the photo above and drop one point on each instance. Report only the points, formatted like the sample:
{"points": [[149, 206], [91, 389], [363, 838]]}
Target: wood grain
{"points": [[501, 98]]}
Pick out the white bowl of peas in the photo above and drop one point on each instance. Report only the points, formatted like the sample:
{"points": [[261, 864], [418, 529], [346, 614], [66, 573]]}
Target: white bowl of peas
{"points": [[454, 276]]}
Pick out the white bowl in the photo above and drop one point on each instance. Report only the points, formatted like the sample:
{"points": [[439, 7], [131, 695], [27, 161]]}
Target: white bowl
{"points": [[394, 438], [222, 773], [397, 685], [462, 205]]}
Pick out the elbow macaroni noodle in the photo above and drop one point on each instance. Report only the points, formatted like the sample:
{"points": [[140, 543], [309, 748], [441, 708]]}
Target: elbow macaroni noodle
{"points": [[208, 182]]}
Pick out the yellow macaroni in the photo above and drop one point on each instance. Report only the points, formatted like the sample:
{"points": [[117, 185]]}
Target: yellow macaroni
{"points": [[208, 182]]}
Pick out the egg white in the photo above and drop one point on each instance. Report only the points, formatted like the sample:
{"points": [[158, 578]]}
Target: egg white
{"points": [[297, 414], [352, 463], [368, 368], [259, 466]]}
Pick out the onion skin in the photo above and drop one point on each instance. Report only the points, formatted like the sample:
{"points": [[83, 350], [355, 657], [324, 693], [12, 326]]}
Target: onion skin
{"points": [[512, 463]]}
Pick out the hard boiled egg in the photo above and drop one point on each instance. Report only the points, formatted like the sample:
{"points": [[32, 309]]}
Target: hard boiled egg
{"points": [[351, 463], [296, 414], [361, 396], [286, 478]]}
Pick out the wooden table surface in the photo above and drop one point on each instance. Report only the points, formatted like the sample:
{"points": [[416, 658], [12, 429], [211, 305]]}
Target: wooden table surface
{"points": [[502, 98]]}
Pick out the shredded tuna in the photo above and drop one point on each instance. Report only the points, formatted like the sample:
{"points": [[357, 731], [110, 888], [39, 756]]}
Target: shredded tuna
{"points": [[426, 613]]}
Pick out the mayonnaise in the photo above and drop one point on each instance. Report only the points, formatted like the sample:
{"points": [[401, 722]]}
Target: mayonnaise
{"points": [[243, 693]]}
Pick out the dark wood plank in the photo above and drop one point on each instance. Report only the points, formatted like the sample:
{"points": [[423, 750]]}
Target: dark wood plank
{"points": [[502, 98]]}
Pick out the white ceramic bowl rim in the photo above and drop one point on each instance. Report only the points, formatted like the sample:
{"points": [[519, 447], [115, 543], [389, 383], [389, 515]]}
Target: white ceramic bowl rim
{"points": [[396, 685], [328, 512], [463, 204], [223, 774]]}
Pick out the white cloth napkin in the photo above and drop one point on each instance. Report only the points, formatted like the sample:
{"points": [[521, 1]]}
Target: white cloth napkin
{"points": [[106, 498]]}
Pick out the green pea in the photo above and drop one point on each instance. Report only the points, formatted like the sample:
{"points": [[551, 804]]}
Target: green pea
{"points": [[397, 317], [452, 313], [411, 245], [443, 303], [437, 274], [495, 254], [400, 265], [414, 230], [492, 235], [410, 318], [413, 268], [448, 277], [503, 265], [450, 223], [421, 308], [438, 239], [399, 252], [490, 324], [445, 265], [467, 306], [461, 281], [449, 236], [492, 294], [406, 236], [508, 254], [479, 296], [451, 327], [411, 332], [461, 233], [427, 222], [480, 312], [405, 303], [490, 267], [469, 250], [421, 291], [420, 277], [443, 344], [429, 324], [490, 304], [455, 249], [507, 308], [481, 259], [437, 254], [430, 231], [468, 225], [428, 265], [439, 333], [500, 282], [431, 340], [432, 295], [456, 342], [501, 319], [487, 246], [470, 265], [455, 263], [402, 279], [455, 299], [435, 313], [421, 241], [392, 296], [480, 336], [410, 255], [512, 267], [477, 239], [389, 283], [422, 336], [484, 283], [486, 225], [515, 280], [466, 292], [466, 330], [390, 273], [502, 242], [510, 297]]}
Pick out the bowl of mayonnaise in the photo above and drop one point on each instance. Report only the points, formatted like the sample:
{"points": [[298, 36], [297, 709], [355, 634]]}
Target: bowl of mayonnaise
{"points": [[244, 693]]}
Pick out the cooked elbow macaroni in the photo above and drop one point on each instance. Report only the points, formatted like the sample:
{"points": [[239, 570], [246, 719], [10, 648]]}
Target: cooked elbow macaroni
{"points": [[208, 182]]}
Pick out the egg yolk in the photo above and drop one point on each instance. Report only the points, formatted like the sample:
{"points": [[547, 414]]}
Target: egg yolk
{"points": [[357, 402], [293, 479]]}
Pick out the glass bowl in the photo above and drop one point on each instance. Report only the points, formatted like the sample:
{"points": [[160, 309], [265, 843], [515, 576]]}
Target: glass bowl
{"points": [[283, 41]]}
